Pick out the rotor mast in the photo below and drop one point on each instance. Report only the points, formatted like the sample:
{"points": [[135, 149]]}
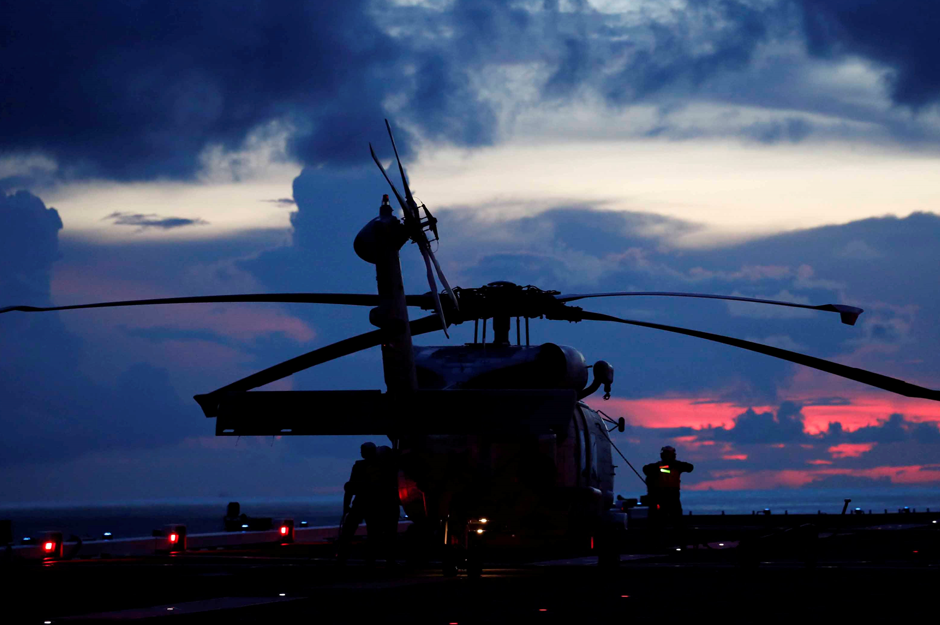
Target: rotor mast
{"points": [[378, 243], [501, 325]]}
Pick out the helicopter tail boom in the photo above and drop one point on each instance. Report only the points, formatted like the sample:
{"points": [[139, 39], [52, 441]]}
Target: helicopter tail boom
{"points": [[305, 413]]}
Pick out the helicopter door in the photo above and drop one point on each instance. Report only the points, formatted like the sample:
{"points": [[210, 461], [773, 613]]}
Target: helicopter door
{"points": [[587, 441], [587, 451]]}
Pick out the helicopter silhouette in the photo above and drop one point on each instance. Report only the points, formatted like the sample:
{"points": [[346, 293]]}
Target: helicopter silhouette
{"points": [[493, 438]]}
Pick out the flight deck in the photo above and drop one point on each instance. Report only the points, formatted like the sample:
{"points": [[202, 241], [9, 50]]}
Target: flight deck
{"points": [[855, 572]]}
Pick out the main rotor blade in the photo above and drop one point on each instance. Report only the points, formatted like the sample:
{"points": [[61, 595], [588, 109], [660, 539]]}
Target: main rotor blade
{"points": [[401, 200], [859, 375], [413, 206], [440, 274], [404, 181], [426, 254], [352, 299], [210, 401], [849, 314]]}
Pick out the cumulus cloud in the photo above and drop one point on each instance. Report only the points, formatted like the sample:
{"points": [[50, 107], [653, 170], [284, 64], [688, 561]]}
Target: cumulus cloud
{"points": [[29, 245], [786, 426]]}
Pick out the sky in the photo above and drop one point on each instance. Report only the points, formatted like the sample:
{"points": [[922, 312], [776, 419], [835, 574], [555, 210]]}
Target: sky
{"points": [[784, 149]]}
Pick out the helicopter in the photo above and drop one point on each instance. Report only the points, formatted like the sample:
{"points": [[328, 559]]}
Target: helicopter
{"points": [[493, 439]]}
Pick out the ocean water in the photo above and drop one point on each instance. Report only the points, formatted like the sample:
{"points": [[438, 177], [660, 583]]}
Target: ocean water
{"points": [[811, 500], [139, 518]]}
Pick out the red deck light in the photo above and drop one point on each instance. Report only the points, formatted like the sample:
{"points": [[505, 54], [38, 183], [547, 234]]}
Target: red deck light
{"points": [[285, 530], [50, 545], [175, 538]]}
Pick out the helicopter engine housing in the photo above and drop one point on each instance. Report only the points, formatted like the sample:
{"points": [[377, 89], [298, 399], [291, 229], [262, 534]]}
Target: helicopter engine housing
{"points": [[488, 366]]}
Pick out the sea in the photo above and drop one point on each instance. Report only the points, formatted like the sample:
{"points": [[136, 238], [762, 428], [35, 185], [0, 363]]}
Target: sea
{"points": [[125, 519]]}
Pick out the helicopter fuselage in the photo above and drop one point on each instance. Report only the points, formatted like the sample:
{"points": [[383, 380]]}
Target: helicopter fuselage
{"points": [[529, 486], [548, 484]]}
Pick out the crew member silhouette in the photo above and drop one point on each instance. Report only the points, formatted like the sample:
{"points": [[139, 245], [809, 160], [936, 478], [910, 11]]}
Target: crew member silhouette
{"points": [[371, 496], [361, 501], [662, 482]]}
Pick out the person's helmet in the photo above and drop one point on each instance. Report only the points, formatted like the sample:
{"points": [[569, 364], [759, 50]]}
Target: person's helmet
{"points": [[367, 450], [667, 452]]}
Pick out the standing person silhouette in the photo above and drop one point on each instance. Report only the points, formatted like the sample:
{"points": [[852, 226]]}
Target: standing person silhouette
{"points": [[662, 482], [361, 502]]}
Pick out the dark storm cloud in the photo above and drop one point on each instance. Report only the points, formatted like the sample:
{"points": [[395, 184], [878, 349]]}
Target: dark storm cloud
{"points": [[898, 34], [63, 414], [896, 428], [50, 410], [150, 220], [765, 428], [29, 244], [676, 60], [137, 90]]}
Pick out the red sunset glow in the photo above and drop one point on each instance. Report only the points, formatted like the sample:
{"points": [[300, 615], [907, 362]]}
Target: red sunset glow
{"points": [[790, 478], [864, 410]]}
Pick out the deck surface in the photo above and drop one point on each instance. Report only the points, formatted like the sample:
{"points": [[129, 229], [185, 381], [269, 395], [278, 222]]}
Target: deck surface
{"points": [[299, 583]]}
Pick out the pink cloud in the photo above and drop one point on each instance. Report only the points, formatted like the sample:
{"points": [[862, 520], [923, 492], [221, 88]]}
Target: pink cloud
{"points": [[864, 410], [850, 450], [791, 478], [676, 412], [756, 480], [869, 409]]}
